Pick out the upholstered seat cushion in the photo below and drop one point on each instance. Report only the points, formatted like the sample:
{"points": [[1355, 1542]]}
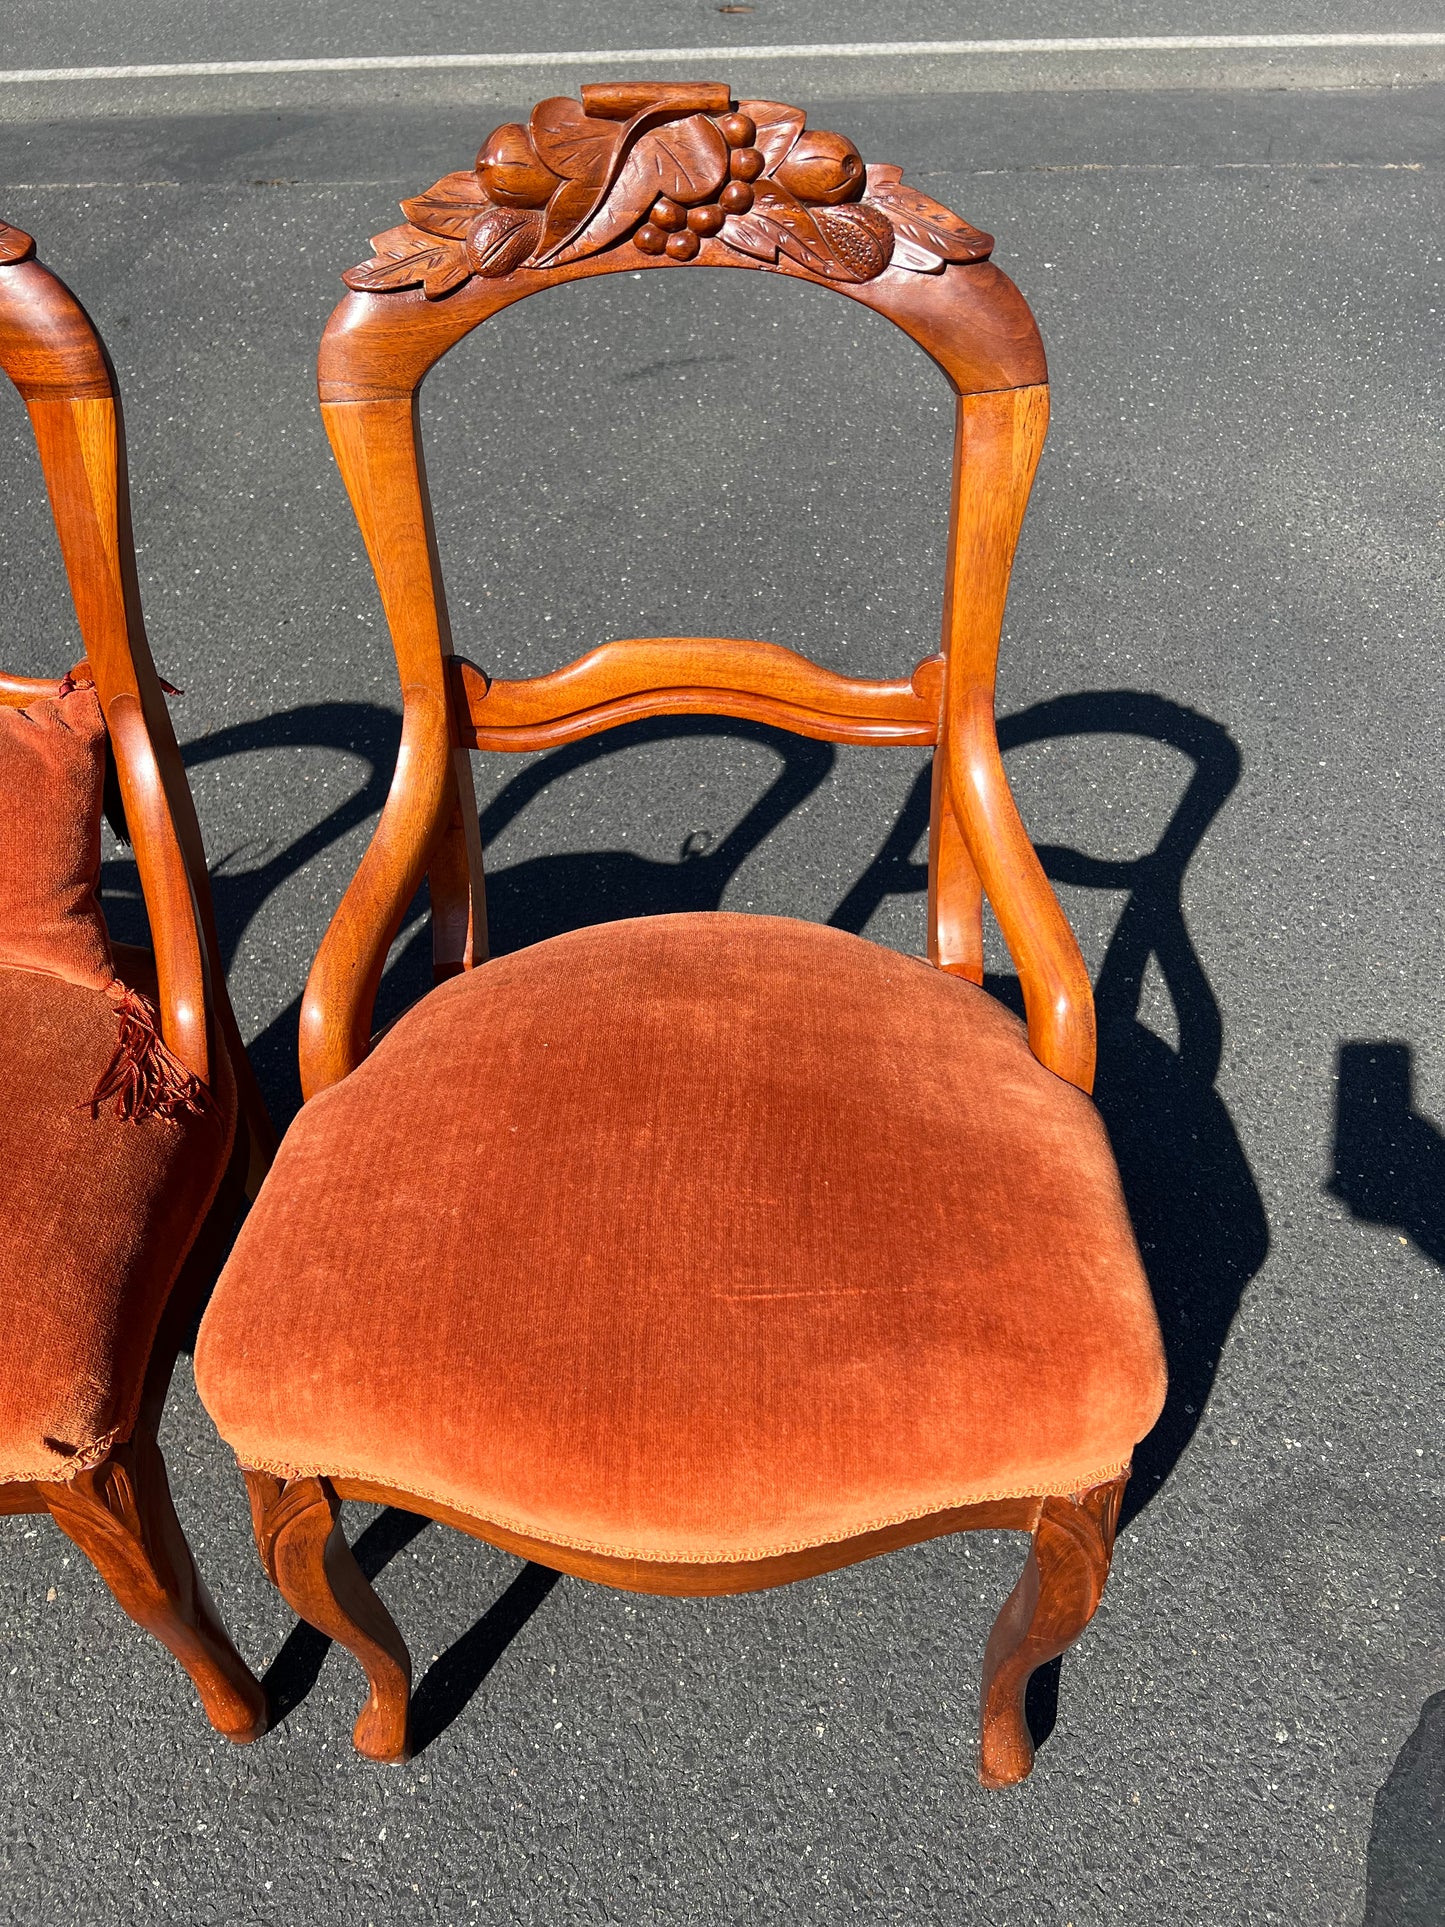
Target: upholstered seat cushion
{"points": [[98, 1214], [692, 1237]]}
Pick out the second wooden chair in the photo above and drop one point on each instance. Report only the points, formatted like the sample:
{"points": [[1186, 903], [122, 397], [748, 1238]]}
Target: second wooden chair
{"points": [[130, 1121]]}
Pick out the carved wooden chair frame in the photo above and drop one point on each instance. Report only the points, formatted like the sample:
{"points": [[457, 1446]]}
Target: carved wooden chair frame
{"points": [[119, 1512], [631, 179]]}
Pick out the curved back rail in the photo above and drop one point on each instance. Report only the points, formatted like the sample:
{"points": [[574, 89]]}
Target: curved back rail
{"points": [[652, 177], [52, 352]]}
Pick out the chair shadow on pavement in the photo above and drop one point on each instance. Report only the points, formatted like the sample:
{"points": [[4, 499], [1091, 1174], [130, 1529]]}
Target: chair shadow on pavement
{"points": [[1389, 1160], [1195, 1206], [536, 898], [1389, 1169], [1192, 1197], [451, 1680], [1194, 1203], [1405, 1868]]}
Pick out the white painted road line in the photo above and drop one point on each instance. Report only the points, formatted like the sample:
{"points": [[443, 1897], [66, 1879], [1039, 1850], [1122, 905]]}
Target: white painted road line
{"points": [[840, 50]]}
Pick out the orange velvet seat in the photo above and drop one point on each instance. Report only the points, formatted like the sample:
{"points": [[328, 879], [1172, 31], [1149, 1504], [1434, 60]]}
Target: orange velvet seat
{"points": [[692, 1237], [99, 1214]]}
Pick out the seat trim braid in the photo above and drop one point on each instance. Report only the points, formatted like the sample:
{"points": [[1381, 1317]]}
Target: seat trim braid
{"points": [[488, 1523]]}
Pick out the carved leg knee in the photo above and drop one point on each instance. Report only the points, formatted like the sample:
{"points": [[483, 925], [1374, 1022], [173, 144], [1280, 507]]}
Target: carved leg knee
{"points": [[302, 1546], [121, 1516], [1054, 1600]]}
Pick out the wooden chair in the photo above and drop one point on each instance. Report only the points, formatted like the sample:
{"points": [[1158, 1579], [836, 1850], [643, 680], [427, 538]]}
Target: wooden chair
{"points": [[114, 1222], [693, 1254]]}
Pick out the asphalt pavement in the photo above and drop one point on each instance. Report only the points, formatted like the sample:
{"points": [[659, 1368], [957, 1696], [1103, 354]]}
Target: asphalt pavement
{"points": [[1222, 706]]}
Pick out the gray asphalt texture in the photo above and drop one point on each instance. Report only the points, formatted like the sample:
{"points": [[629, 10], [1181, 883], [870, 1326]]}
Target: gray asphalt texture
{"points": [[67, 33], [1222, 702]]}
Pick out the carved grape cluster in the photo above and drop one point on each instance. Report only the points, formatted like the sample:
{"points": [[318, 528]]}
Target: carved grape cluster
{"points": [[671, 171], [679, 231]]}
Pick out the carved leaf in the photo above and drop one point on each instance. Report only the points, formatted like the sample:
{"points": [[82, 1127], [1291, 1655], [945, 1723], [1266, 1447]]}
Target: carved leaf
{"points": [[448, 208], [568, 208], [778, 128], [296, 1498], [917, 217], [571, 144], [501, 239], [690, 158], [908, 254], [405, 258], [446, 273], [802, 237], [750, 234], [687, 160]]}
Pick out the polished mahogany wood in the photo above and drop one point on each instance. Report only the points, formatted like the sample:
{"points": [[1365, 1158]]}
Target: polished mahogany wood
{"points": [[1057, 1595], [698, 675], [702, 1579], [1071, 1542], [642, 177], [121, 1517], [120, 1512], [996, 452], [51, 351], [386, 335], [16, 692], [304, 1550]]}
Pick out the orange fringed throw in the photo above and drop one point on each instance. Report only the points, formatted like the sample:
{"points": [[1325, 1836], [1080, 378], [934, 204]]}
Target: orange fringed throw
{"points": [[144, 1076]]}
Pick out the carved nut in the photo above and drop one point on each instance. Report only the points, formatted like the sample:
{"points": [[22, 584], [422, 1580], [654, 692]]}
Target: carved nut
{"points": [[824, 168], [510, 171], [501, 239], [736, 198], [738, 130], [668, 215], [683, 245], [746, 163], [650, 239], [705, 220]]}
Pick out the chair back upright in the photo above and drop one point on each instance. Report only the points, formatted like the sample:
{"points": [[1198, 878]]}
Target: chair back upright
{"points": [[54, 355]]}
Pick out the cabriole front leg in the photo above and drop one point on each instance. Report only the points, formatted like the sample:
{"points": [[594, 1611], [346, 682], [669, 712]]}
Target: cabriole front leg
{"points": [[1057, 1595], [304, 1551], [121, 1516]]}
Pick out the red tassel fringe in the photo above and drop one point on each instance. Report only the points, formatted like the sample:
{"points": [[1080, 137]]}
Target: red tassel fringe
{"points": [[144, 1077]]}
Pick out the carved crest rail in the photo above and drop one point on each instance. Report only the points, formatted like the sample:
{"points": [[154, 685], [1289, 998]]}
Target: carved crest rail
{"points": [[670, 171]]}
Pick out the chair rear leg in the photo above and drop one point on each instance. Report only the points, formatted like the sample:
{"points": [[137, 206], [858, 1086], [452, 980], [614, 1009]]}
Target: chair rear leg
{"points": [[121, 1516], [304, 1550], [1057, 1595]]}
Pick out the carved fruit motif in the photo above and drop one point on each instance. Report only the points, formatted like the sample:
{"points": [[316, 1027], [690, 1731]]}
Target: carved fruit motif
{"points": [[825, 168], [670, 181], [861, 237], [510, 172], [502, 238]]}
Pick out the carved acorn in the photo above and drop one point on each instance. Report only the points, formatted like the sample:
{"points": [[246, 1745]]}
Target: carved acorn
{"points": [[860, 236], [510, 171], [824, 169]]}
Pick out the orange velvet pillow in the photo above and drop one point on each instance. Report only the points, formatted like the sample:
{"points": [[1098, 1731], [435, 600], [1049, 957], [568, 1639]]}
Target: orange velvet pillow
{"points": [[52, 771]]}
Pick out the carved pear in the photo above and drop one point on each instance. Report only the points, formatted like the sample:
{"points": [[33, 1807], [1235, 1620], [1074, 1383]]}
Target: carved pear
{"points": [[511, 172]]}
